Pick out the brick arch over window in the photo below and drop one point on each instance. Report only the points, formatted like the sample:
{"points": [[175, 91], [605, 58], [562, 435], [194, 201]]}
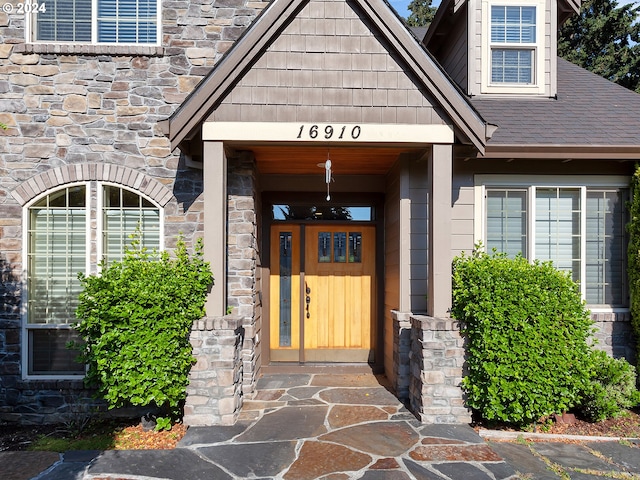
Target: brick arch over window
{"points": [[104, 172]]}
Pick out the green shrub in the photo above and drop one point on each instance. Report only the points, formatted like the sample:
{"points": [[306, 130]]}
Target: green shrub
{"points": [[527, 333], [633, 254], [135, 318], [612, 387]]}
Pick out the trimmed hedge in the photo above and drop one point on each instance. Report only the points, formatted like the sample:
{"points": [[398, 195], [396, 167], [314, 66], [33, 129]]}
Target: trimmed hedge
{"points": [[135, 319], [528, 332]]}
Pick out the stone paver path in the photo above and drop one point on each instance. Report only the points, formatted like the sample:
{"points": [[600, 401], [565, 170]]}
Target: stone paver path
{"points": [[319, 426]]}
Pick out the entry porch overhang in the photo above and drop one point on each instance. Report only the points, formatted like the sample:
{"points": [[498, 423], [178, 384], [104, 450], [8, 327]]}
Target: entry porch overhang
{"points": [[282, 157], [294, 148]]}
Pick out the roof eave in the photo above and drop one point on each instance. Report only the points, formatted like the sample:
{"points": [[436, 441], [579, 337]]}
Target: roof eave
{"points": [[562, 151]]}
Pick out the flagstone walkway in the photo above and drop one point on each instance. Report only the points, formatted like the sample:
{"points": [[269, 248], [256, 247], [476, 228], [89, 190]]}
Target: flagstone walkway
{"points": [[317, 426]]}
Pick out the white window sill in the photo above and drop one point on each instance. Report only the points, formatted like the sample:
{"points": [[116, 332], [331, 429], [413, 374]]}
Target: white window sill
{"points": [[90, 49], [53, 378]]}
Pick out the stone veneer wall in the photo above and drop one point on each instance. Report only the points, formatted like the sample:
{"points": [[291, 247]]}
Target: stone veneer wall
{"points": [[71, 105], [214, 394], [243, 285], [437, 363]]}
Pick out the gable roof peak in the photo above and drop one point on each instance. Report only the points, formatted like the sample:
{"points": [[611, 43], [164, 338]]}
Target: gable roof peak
{"points": [[269, 25]]}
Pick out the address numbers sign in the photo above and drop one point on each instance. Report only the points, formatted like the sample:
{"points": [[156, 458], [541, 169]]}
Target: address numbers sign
{"points": [[313, 132], [329, 132]]}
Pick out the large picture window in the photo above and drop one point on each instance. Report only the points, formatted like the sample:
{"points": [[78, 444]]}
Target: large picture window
{"points": [[97, 21], [59, 246], [581, 229]]}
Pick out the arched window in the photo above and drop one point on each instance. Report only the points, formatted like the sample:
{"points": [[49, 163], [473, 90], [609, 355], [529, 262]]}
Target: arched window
{"points": [[60, 244], [123, 211], [57, 251]]}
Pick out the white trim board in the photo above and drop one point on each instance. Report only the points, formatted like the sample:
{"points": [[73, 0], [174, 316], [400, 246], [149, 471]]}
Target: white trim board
{"points": [[338, 133]]}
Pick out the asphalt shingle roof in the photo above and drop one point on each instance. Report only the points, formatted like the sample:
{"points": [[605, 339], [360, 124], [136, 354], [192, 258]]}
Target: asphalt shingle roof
{"points": [[589, 110]]}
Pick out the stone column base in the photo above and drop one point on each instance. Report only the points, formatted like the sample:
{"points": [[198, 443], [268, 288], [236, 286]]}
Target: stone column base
{"points": [[437, 361], [214, 394]]}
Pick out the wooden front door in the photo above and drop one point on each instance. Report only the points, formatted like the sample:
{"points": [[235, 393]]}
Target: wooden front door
{"points": [[322, 293]]}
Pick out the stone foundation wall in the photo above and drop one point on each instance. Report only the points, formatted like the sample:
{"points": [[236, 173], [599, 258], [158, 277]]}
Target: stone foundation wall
{"points": [[214, 394], [46, 401], [437, 363], [615, 336]]}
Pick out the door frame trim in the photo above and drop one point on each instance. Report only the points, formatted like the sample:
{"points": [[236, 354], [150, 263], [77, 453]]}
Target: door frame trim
{"points": [[375, 200]]}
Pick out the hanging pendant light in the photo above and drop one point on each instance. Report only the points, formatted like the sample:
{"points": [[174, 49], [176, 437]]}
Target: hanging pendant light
{"points": [[327, 174]]}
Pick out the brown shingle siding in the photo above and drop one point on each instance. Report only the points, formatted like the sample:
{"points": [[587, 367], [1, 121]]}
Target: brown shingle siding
{"points": [[338, 69]]}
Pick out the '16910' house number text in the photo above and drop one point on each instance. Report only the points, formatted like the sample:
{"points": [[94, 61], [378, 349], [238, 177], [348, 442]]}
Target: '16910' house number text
{"points": [[339, 132]]}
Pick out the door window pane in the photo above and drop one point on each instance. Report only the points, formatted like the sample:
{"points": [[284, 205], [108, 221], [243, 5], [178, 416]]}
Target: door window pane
{"points": [[324, 247], [355, 247], [286, 263], [311, 212], [340, 247]]}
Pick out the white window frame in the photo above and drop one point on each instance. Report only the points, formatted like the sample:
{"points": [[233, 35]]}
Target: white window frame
{"points": [[537, 86], [528, 182], [94, 249], [30, 29]]}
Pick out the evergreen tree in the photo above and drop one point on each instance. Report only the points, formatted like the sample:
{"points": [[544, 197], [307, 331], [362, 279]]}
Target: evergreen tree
{"points": [[604, 39], [422, 13], [633, 254]]}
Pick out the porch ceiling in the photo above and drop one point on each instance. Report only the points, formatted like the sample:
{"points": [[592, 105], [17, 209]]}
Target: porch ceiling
{"points": [[346, 160]]}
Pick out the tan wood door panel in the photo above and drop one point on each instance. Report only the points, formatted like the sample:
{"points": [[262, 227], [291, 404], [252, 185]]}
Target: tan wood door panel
{"points": [[338, 308], [284, 311]]}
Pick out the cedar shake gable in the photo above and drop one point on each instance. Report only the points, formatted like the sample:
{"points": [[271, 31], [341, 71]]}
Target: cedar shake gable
{"points": [[590, 113], [258, 59]]}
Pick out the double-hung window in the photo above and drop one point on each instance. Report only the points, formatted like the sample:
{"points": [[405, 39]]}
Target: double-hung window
{"points": [[513, 42], [98, 21], [513, 54], [579, 227], [60, 244]]}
